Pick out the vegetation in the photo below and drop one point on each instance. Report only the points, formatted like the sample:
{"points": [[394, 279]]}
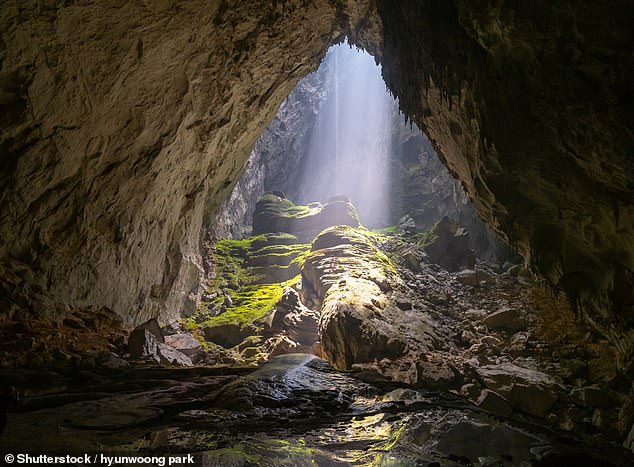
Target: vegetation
{"points": [[425, 238], [249, 305]]}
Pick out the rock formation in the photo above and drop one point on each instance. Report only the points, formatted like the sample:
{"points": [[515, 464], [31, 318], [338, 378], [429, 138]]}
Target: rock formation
{"points": [[124, 128]]}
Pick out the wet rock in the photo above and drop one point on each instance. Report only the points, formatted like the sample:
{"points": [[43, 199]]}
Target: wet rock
{"points": [[531, 391], [506, 319], [297, 382], [471, 440], [139, 342]]}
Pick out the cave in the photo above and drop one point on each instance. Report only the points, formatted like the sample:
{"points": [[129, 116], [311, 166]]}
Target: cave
{"points": [[137, 227]]}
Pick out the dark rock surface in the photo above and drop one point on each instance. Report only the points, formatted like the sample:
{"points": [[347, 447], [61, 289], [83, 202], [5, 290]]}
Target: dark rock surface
{"points": [[144, 336], [448, 245], [294, 410]]}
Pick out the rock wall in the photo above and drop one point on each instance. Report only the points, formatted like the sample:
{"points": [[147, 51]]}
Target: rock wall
{"points": [[531, 107], [124, 126]]}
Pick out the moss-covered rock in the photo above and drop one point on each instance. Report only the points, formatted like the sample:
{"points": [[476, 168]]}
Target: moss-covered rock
{"points": [[345, 251], [350, 276], [275, 213]]}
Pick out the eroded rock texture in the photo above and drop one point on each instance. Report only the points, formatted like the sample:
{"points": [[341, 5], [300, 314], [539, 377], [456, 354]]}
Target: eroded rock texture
{"points": [[125, 124]]}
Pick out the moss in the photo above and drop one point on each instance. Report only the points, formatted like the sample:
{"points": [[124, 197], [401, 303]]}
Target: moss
{"points": [[391, 230], [277, 239], [425, 238], [262, 450], [249, 305], [357, 242], [300, 259]]}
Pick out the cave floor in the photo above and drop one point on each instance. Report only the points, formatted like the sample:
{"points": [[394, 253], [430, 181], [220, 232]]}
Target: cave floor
{"points": [[295, 410]]}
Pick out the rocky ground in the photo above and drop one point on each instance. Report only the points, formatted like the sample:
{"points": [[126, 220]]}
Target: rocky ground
{"points": [[421, 366]]}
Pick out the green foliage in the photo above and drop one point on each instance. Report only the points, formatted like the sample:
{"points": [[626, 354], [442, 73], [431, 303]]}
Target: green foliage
{"points": [[262, 450], [250, 304], [425, 238], [391, 230]]}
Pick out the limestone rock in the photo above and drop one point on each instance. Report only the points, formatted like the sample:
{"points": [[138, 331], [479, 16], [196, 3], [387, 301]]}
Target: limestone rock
{"points": [[184, 343], [276, 214], [493, 402], [531, 391], [436, 373], [350, 275], [170, 356], [123, 134], [351, 328], [171, 329], [139, 342], [448, 246], [146, 344], [227, 335], [507, 319], [294, 319]]}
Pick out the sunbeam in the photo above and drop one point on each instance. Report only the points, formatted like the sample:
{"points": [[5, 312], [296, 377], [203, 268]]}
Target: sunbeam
{"points": [[348, 150]]}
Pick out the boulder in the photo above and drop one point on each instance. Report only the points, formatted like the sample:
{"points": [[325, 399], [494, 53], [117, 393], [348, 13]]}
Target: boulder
{"points": [[171, 328], [493, 402], [434, 372], [139, 342], [448, 246], [506, 319], [169, 356], [531, 391], [595, 396], [299, 323], [352, 329], [276, 214], [185, 343], [158, 351]]}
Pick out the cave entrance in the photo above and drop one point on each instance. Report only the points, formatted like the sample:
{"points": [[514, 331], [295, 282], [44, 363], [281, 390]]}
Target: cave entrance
{"points": [[339, 167], [340, 132]]}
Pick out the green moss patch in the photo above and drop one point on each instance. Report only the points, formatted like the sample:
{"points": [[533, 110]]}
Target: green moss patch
{"points": [[249, 305]]}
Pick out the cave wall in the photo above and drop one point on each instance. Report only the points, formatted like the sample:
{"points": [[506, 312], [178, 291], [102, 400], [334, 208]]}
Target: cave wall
{"points": [[530, 104], [124, 126]]}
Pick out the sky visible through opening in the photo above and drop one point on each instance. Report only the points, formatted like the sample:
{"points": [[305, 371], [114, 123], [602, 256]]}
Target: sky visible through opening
{"points": [[348, 151]]}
